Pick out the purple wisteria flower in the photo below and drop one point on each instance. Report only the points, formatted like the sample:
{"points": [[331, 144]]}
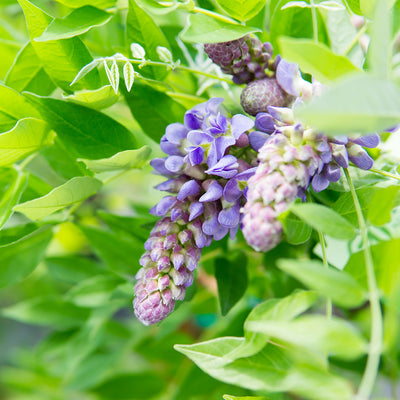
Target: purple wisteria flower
{"points": [[206, 183], [246, 58], [291, 157]]}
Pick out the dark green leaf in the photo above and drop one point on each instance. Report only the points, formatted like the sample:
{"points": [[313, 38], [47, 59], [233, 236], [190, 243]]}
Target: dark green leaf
{"points": [[203, 29], [296, 230], [242, 10], [20, 258], [130, 387], [381, 205], [11, 197], [70, 193], [231, 275], [123, 160], [324, 219], [341, 287], [27, 136], [73, 269], [76, 23], [84, 131], [27, 73], [47, 311], [62, 59], [153, 110], [141, 29]]}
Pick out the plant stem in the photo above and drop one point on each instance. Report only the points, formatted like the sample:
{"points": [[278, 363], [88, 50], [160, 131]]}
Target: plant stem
{"points": [[314, 20], [214, 15], [325, 261], [376, 338], [181, 67], [355, 40], [385, 173]]}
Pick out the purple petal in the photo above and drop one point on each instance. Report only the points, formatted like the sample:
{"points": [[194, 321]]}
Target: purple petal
{"points": [[232, 191], [214, 192], [222, 143], [163, 206], [369, 141], [175, 133], [257, 139], [239, 124], [229, 217], [196, 209], [331, 172], [196, 156], [199, 137], [265, 123], [159, 165], [283, 114], [213, 104], [363, 161], [174, 164], [340, 139], [211, 225], [169, 148], [288, 77], [340, 155], [220, 233], [193, 119], [190, 188], [226, 167], [319, 183]]}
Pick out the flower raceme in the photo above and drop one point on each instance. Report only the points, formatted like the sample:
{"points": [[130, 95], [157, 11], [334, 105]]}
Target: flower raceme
{"points": [[205, 180], [291, 157]]}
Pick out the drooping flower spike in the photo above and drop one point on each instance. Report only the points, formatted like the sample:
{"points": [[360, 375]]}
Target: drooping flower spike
{"points": [[206, 184]]}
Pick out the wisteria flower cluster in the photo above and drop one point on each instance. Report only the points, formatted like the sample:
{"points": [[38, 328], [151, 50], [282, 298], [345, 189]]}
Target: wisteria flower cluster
{"points": [[205, 181], [222, 174]]}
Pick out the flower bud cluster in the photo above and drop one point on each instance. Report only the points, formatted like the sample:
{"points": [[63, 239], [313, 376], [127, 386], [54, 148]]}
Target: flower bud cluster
{"points": [[206, 182], [246, 58], [291, 157]]}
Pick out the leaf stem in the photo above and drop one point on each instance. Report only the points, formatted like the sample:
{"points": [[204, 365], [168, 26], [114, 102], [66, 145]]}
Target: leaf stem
{"points": [[181, 67], [214, 15], [314, 20], [376, 338], [385, 173], [325, 261], [355, 40]]}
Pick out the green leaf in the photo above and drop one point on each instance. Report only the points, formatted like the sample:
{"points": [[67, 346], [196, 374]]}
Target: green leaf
{"points": [[124, 160], [203, 29], [380, 48], [94, 3], [85, 132], [296, 230], [62, 59], [242, 10], [360, 104], [20, 258], [325, 220], [120, 252], [98, 99], [231, 275], [316, 59], [74, 191], [229, 397], [15, 233], [354, 6], [76, 23], [138, 386], [11, 197], [73, 269], [272, 310], [271, 370], [381, 205], [93, 292], [141, 29], [13, 107], [333, 337], [28, 74], [28, 135], [50, 311], [153, 110], [339, 286]]}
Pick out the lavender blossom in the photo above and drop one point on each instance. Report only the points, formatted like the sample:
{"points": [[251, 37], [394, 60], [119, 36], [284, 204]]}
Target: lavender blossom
{"points": [[206, 184], [291, 157], [245, 58]]}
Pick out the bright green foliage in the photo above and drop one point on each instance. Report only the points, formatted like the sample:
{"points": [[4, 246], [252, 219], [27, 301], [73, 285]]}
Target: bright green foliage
{"points": [[76, 189]]}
